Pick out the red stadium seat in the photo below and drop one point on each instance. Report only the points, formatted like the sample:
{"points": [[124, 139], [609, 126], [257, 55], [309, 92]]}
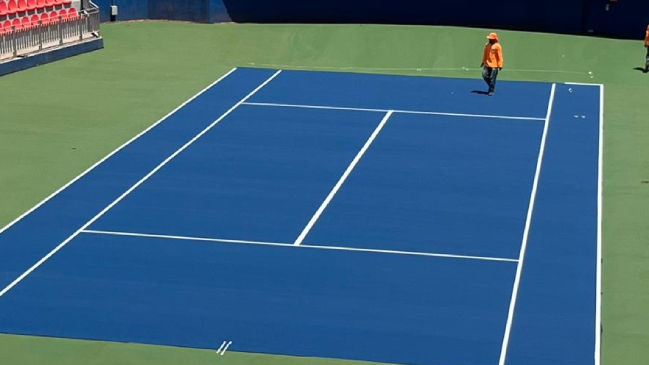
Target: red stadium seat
{"points": [[54, 17], [22, 5], [63, 13], [72, 13], [32, 4], [40, 3], [3, 8], [25, 22], [12, 7], [67, 1], [2, 28], [7, 25], [34, 20], [58, 2], [16, 23], [49, 2], [45, 19]]}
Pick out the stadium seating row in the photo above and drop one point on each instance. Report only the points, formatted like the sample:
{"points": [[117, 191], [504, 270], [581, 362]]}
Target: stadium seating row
{"points": [[10, 7], [27, 22]]}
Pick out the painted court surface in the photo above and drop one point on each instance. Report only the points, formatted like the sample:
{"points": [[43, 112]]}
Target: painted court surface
{"points": [[383, 218]]}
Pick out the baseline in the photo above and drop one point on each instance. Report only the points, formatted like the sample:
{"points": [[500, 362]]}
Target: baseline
{"points": [[392, 92]]}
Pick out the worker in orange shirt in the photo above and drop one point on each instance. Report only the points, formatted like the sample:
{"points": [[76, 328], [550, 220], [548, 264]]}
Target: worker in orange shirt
{"points": [[646, 44], [492, 62]]}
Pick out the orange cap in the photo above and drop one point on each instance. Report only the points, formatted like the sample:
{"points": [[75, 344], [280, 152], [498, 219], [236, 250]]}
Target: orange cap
{"points": [[492, 36]]}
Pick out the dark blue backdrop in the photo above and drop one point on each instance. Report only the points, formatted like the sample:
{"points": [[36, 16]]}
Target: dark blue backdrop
{"points": [[128, 9], [622, 18], [555, 15], [206, 11]]}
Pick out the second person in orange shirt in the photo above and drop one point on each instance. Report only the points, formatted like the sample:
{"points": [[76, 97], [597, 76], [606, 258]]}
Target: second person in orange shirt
{"points": [[646, 44]]}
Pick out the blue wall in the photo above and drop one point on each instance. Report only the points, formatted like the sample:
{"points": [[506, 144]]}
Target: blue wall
{"points": [[621, 18], [128, 9], [217, 12], [190, 10], [195, 11], [553, 15]]}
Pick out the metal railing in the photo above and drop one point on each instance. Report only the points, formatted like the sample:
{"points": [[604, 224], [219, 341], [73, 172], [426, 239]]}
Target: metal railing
{"points": [[49, 34]]}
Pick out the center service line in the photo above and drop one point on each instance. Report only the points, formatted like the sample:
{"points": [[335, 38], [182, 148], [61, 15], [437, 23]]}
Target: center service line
{"points": [[340, 182]]}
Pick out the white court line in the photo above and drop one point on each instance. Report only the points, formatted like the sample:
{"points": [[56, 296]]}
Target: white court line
{"points": [[342, 179], [582, 84], [316, 107], [528, 221], [221, 347], [387, 110], [419, 69], [127, 192], [226, 348], [600, 191], [112, 153], [277, 244]]}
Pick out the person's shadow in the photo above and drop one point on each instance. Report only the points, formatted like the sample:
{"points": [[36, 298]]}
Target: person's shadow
{"points": [[479, 92], [640, 69]]}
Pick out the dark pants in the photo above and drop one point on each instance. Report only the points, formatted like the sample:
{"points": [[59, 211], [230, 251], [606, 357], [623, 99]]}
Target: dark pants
{"points": [[490, 75], [647, 59]]}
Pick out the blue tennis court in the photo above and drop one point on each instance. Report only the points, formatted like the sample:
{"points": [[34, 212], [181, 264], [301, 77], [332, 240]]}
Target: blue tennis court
{"points": [[394, 219]]}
